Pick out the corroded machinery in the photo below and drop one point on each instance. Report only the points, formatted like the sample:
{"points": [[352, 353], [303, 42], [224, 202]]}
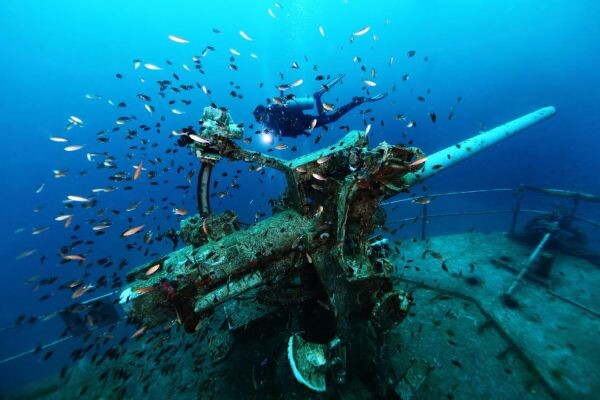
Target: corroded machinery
{"points": [[318, 249]]}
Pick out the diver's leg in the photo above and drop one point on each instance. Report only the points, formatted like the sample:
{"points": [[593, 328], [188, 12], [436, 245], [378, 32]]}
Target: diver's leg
{"points": [[319, 103], [356, 101], [325, 88], [378, 97], [327, 119]]}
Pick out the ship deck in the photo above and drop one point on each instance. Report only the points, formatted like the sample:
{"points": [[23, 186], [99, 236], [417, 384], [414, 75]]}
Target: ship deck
{"points": [[464, 342], [460, 340]]}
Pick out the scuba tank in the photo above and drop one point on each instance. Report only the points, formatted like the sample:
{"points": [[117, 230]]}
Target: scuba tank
{"points": [[301, 103]]}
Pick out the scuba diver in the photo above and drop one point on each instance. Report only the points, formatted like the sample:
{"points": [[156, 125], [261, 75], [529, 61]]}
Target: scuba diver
{"points": [[288, 119]]}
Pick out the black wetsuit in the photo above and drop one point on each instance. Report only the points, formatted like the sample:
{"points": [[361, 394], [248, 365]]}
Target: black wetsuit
{"points": [[291, 121]]}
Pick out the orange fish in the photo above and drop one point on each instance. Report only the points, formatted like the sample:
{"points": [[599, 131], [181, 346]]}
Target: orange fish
{"points": [[152, 269], [73, 257], [138, 171], [132, 231], [180, 211], [204, 228], [323, 159], [81, 291], [319, 177], [418, 162], [198, 139], [143, 290], [138, 333]]}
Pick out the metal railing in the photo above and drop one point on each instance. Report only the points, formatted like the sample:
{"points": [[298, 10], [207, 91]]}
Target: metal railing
{"points": [[519, 192]]}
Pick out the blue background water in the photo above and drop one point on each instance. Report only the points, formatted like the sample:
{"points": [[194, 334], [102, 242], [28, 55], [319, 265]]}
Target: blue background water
{"points": [[504, 58]]}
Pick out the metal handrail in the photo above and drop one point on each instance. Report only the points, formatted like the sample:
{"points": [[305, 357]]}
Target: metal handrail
{"points": [[550, 192], [589, 221], [518, 192], [451, 194], [462, 213], [563, 193]]}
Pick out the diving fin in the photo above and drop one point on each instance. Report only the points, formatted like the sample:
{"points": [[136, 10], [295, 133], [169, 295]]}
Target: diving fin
{"points": [[378, 96], [325, 87]]}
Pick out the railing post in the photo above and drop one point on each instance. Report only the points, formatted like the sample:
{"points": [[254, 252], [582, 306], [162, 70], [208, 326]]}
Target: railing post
{"points": [[516, 210], [574, 208], [424, 223]]}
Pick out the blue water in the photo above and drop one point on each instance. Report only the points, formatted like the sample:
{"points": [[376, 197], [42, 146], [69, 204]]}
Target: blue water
{"points": [[503, 59]]}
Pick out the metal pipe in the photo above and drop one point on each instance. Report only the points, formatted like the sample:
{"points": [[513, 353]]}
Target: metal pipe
{"points": [[454, 154], [530, 261], [204, 188], [228, 291]]}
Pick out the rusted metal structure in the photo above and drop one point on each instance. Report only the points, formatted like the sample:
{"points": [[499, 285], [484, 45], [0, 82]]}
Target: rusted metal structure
{"points": [[318, 249]]}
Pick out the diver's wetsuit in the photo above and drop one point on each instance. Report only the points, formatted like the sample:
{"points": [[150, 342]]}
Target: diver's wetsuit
{"points": [[290, 120]]}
